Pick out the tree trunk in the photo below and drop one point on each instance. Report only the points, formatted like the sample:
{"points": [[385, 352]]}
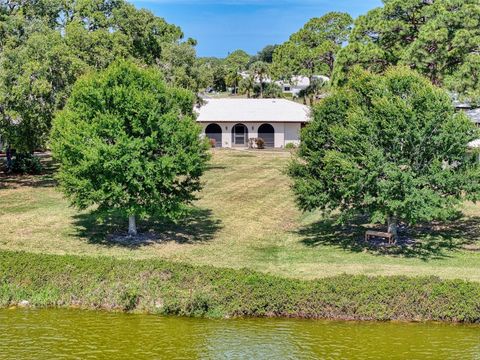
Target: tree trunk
{"points": [[132, 226], [393, 226]]}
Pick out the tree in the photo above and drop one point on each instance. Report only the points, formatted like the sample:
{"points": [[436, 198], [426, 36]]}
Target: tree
{"points": [[272, 91], [391, 147], [260, 71], [247, 85], [438, 38], [35, 80], [312, 50], [46, 45], [314, 89], [126, 141], [237, 61], [265, 55]]}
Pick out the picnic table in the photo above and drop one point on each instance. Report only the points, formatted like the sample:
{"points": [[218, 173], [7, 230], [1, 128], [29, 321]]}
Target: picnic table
{"points": [[378, 234]]}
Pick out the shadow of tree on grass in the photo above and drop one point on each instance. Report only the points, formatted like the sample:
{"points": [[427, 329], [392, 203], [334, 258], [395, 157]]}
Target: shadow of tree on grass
{"points": [[425, 241], [111, 230], [45, 179]]}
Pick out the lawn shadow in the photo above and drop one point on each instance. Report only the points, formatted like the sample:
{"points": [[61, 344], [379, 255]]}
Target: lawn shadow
{"points": [[436, 240], [45, 179], [110, 230]]}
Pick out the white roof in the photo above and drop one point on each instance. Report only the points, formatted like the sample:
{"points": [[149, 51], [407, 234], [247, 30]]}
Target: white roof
{"points": [[252, 110]]}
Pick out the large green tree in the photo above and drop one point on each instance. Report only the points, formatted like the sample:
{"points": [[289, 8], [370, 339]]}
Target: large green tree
{"points": [[46, 44], [313, 49], [438, 38], [235, 63], [126, 141], [391, 147]]}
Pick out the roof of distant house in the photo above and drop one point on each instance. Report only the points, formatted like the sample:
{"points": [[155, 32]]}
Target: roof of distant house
{"points": [[252, 110]]}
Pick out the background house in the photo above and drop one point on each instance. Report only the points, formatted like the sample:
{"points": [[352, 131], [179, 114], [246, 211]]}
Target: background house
{"points": [[298, 83], [232, 122]]}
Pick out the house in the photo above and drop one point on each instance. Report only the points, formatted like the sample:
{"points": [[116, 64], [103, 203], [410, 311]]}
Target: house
{"points": [[473, 114], [299, 83], [232, 122], [293, 86]]}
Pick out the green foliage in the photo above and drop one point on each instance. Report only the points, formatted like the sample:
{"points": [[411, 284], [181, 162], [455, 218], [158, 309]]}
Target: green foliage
{"points": [[272, 91], [440, 39], [26, 164], [212, 73], [127, 285], [247, 85], [237, 61], [127, 141], [260, 71], [290, 146], [46, 45], [387, 146], [265, 55], [312, 50]]}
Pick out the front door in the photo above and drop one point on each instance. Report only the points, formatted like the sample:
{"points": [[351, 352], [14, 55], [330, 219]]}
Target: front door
{"points": [[239, 135]]}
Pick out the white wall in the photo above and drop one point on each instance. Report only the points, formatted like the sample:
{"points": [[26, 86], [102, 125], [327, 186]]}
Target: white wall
{"points": [[292, 133], [284, 132]]}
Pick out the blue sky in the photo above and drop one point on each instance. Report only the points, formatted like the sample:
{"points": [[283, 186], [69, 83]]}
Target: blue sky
{"points": [[222, 26]]}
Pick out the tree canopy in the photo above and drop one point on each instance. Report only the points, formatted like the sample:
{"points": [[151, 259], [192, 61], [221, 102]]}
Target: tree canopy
{"points": [[46, 45], [126, 141], [312, 50], [389, 146], [438, 38]]}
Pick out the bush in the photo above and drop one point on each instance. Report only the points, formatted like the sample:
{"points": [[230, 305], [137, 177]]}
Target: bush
{"points": [[290, 146], [26, 164], [260, 143], [157, 286]]}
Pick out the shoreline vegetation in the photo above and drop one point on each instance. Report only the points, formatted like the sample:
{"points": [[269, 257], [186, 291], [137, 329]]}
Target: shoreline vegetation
{"points": [[245, 218], [169, 288]]}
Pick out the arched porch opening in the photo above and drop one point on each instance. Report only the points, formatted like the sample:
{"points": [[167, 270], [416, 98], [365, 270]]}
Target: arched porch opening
{"points": [[214, 132], [267, 133]]}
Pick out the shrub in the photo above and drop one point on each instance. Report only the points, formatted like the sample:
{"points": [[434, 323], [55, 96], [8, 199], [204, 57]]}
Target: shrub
{"points": [[260, 143], [141, 285], [290, 146], [213, 143], [26, 164]]}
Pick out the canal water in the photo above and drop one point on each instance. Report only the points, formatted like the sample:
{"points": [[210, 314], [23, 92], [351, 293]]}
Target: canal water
{"points": [[72, 334]]}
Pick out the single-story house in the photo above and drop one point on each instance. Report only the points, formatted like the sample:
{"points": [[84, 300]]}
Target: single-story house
{"points": [[232, 122]]}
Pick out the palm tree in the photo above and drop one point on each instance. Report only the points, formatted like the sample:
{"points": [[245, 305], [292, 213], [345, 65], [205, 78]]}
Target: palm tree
{"points": [[233, 78], [247, 85], [260, 71]]}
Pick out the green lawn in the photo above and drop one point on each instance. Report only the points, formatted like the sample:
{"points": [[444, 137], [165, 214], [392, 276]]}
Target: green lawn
{"points": [[245, 217]]}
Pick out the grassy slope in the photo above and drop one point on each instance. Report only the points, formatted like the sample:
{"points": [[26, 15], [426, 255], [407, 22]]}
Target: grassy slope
{"points": [[177, 289], [245, 217]]}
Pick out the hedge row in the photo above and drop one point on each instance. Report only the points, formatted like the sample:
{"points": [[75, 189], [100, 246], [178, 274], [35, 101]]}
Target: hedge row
{"points": [[163, 287]]}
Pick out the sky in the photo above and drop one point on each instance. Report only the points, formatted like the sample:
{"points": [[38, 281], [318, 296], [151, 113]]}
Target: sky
{"points": [[222, 26]]}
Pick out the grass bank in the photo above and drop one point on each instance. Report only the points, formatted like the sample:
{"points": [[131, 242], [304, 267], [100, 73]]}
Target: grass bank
{"points": [[162, 287], [245, 218]]}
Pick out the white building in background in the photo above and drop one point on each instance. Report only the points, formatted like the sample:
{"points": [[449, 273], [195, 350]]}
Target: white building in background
{"points": [[298, 83], [474, 115], [293, 86], [232, 122]]}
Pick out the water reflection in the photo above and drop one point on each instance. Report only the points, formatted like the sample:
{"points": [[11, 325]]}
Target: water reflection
{"points": [[69, 334]]}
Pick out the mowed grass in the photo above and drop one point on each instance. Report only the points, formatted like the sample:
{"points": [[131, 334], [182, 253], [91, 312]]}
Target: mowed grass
{"points": [[245, 218]]}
